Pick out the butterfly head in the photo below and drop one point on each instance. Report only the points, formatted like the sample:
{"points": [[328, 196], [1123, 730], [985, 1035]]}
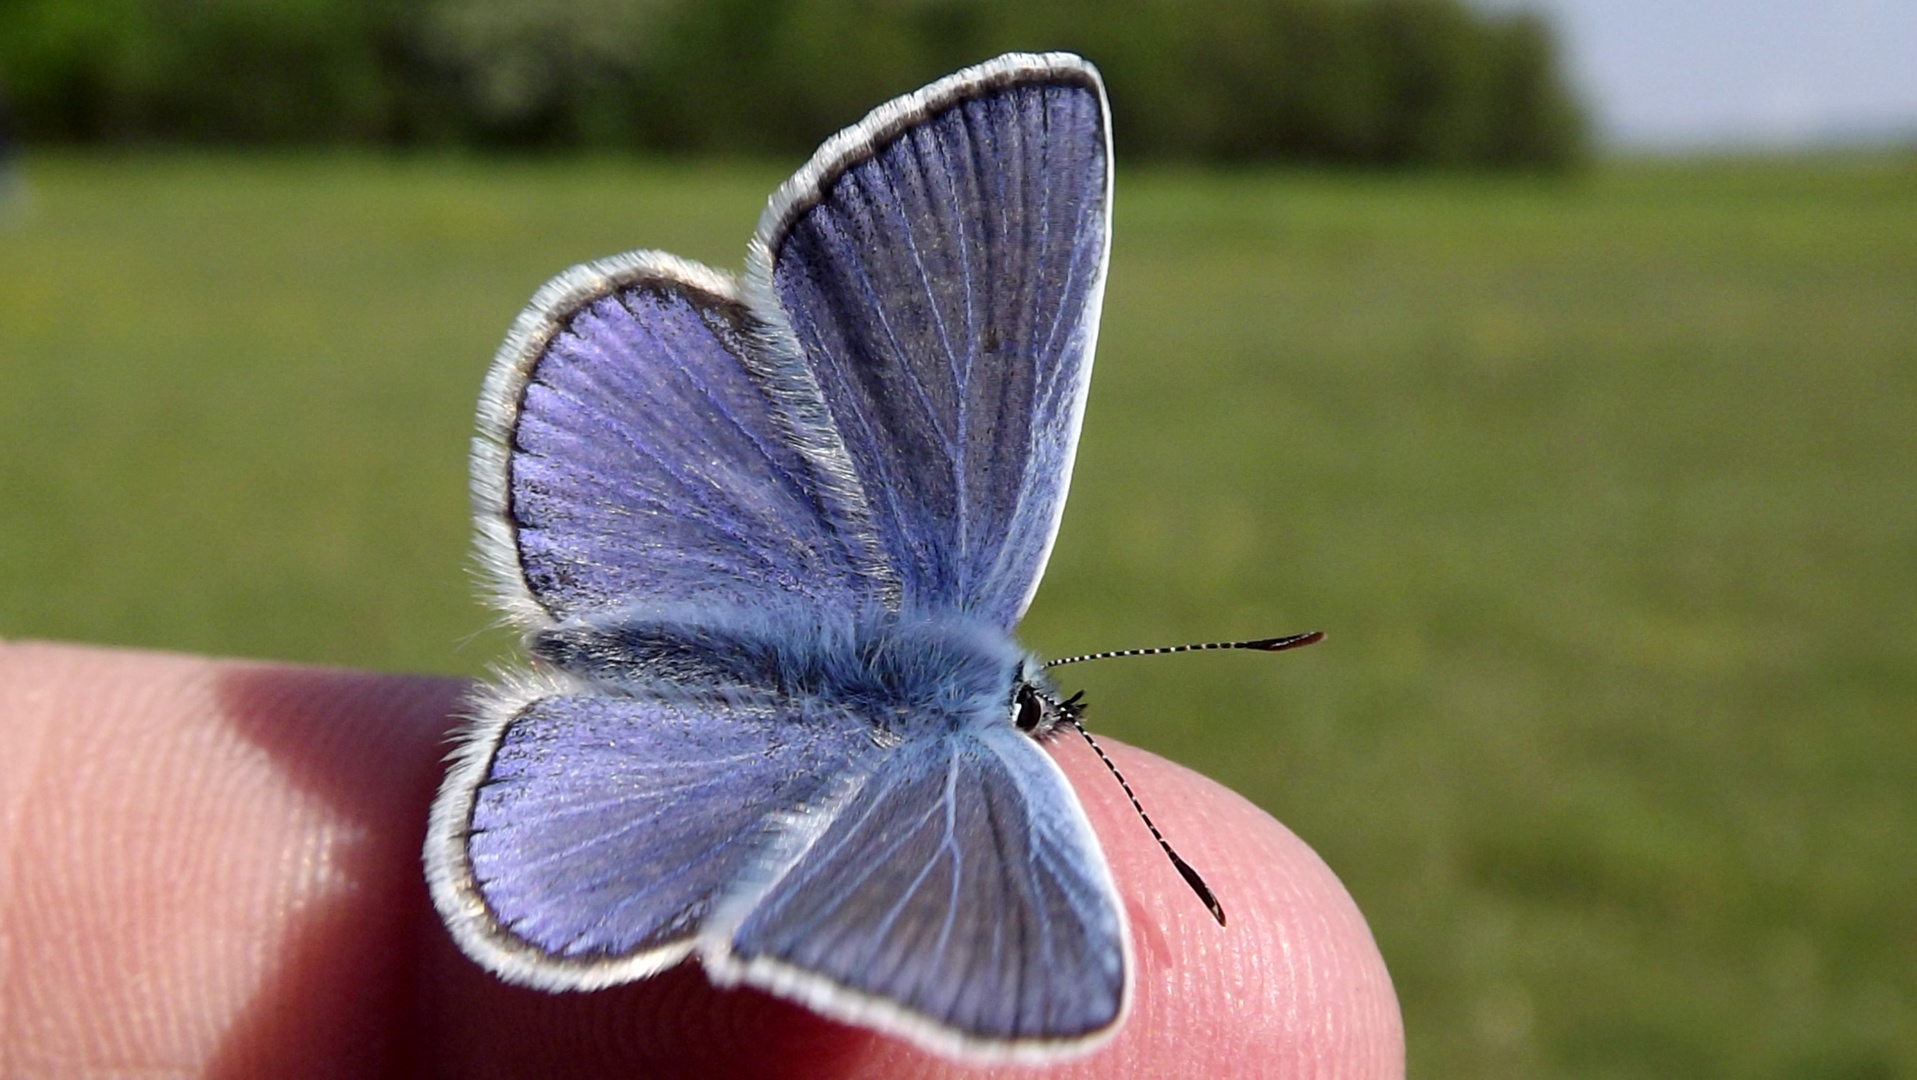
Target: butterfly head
{"points": [[1037, 708]]}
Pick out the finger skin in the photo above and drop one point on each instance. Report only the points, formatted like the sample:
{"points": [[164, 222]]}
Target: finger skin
{"points": [[211, 868]]}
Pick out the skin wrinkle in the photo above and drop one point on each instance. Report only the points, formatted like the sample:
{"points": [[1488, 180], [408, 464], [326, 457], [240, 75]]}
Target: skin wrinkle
{"points": [[200, 804], [57, 900], [20, 768], [23, 772]]}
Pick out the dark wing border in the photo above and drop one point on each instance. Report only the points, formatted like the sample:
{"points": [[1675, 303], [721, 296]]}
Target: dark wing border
{"points": [[833, 998], [449, 871], [502, 398], [461, 900]]}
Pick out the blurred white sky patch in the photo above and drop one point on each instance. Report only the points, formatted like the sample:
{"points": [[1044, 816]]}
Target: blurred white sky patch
{"points": [[1678, 74]]}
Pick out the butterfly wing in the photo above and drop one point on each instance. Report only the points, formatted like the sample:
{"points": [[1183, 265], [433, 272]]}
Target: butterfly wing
{"points": [[958, 898], [939, 268], [583, 839], [629, 449]]}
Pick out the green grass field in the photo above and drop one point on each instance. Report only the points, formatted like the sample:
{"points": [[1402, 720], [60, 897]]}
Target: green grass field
{"points": [[1605, 490]]}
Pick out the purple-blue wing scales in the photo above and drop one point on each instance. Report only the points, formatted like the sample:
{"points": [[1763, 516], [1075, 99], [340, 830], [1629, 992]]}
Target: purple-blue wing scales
{"points": [[940, 267], [584, 839], [627, 451], [958, 897]]}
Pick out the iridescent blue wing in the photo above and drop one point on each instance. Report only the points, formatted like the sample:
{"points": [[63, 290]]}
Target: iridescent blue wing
{"points": [[958, 898], [939, 268], [583, 839], [631, 447]]}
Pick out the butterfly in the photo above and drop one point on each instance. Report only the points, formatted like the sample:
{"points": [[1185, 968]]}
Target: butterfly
{"points": [[768, 539]]}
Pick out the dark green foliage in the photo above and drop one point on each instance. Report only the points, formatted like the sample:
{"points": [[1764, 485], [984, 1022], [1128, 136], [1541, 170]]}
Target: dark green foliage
{"points": [[204, 70], [1343, 81]]}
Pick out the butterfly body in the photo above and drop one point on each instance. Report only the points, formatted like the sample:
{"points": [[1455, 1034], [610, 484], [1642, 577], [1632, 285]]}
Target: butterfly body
{"points": [[769, 538], [906, 677]]}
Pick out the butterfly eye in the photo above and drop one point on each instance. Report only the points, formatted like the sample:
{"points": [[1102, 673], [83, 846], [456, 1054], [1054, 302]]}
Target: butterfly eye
{"points": [[1031, 711]]}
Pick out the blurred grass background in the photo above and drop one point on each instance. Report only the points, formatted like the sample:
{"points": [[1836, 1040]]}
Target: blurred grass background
{"points": [[1603, 488]]}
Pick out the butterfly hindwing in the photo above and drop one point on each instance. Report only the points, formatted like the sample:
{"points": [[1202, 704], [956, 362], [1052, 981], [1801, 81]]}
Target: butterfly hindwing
{"points": [[958, 896], [940, 267], [592, 835]]}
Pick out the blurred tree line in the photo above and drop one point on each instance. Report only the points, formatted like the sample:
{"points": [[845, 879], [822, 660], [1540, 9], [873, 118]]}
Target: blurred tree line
{"points": [[1340, 81]]}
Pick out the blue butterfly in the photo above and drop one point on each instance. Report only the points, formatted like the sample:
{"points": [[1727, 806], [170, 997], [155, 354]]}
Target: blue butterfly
{"points": [[768, 539]]}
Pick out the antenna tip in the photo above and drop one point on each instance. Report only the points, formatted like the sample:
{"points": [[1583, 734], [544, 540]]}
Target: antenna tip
{"points": [[1280, 644], [1197, 885]]}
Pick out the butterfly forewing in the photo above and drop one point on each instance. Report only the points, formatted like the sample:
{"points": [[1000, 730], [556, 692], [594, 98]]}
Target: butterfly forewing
{"points": [[942, 275], [633, 456]]}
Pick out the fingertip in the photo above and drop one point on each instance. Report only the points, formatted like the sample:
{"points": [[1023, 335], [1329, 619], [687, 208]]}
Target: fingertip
{"points": [[1293, 984]]}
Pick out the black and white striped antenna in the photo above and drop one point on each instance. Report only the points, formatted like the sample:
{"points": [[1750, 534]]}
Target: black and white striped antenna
{"points": [[1270, 644], [1070, 709]]}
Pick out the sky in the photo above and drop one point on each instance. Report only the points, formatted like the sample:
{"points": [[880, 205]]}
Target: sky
{"points": [[1673, 74]]}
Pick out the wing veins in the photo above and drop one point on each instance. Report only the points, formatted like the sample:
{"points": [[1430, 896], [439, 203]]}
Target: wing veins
{"points": [[786, 479], [709, 515]]}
